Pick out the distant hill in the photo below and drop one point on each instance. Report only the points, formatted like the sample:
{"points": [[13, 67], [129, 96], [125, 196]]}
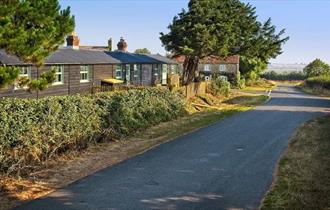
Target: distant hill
{"points": [[282, 67]]}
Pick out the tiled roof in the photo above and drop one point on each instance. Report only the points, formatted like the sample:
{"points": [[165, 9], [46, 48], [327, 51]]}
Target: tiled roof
{"points": [[65, 56], [234, 59], [162, 59], [9, 59], [71, 56], [126, 57], [83, 56]]}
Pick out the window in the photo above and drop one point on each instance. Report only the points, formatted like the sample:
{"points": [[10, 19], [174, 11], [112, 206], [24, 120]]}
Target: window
{"points": [[224, 78], [84, 74], [59, 75], [136, 69], [222, 67], [119, 72], [207, 67], [156, 69], [174, 69], [25, 72]]}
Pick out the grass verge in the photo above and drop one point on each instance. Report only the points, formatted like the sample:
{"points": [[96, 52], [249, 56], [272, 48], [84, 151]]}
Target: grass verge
{"points": [[260, 85], [59, 172], [303, 176], [315, 91]]}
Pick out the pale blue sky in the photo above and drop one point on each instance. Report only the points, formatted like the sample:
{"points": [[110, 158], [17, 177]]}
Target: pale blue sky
{"points": [[141, 21]]}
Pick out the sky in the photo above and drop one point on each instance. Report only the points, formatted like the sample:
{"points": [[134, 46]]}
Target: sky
{"points": [[141, 21]]}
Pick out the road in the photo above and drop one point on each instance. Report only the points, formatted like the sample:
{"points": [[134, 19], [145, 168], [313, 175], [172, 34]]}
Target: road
{"points": [[228, 165]]}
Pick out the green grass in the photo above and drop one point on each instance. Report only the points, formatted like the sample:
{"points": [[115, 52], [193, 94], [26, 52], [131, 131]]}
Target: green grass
{"points": [[260, 85], [303, 177], [316, 91], [207, 116]]}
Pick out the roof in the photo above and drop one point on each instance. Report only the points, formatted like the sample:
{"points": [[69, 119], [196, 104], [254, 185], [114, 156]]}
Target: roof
{"points": [[71, 56], [162, 59], [9, 59], [126, 57], [234, 59], [96, 48], [65, 56], [83, 56]]}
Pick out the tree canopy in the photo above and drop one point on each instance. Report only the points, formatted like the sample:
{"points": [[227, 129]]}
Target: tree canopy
{"points": [[220, 28], [317, 68], [32, 29], [143, 51]]}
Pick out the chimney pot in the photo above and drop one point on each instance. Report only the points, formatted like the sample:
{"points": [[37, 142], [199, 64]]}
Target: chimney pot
{"points": [[122, 45], [73, 41]]}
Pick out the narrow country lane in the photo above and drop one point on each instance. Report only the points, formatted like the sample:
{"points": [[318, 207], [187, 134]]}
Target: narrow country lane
{"points": [[228, 165]]}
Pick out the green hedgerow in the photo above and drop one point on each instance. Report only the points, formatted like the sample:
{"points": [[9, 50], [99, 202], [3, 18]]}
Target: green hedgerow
{"points": [[32, 131]]}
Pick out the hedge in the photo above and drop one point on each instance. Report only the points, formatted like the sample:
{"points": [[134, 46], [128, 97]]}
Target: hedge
{"points": [[32, 131], [318, 82], [284, 76]]}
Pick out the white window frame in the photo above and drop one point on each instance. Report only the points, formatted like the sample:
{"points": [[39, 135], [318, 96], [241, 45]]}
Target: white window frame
{"points": [[207, 67], [136, 70], [174, 69], [119, 68], [25, 71], [222, 67], [57, 74], [85, 70]]}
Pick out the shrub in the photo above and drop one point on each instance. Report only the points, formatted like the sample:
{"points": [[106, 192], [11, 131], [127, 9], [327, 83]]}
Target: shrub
{"points": [[318, 82], [241, 83], [317, 68], [32, 131], [219, 87], [285, 76], [135, 109]]}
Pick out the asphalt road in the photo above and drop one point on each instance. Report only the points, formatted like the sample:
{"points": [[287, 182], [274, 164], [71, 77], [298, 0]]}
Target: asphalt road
{"points": [[228, 165]]}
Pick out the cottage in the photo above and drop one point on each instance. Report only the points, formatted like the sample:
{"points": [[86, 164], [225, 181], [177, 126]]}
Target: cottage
{"points": [[78, 70], [142, 69], [214, 65]]}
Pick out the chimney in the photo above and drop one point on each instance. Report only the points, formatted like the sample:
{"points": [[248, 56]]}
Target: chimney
{"points": [[122, 45], [110, 44], [73, 41]]}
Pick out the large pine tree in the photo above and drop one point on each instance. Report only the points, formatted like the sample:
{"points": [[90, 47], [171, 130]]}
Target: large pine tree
{"points": [[32, 29], [220, 28]]}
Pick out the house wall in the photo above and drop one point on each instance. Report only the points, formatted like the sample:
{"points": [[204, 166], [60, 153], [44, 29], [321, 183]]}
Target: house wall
{"points": [[231, 70], [215, 68], [71, 85]]}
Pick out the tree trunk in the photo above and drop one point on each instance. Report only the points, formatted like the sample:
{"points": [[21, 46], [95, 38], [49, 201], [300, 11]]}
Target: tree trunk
{"points": [[190, 69]]}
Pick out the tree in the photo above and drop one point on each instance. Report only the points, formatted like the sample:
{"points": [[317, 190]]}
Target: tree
{"points": [[32, 29], [265, 45], [142, 51], [317, 68], [213, 27]]}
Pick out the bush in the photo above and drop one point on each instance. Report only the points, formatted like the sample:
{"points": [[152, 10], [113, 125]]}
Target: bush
{"points": [[285, 76], [318, 82], [32, 131], [317, 68], [219, 87], [241, 83]]}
